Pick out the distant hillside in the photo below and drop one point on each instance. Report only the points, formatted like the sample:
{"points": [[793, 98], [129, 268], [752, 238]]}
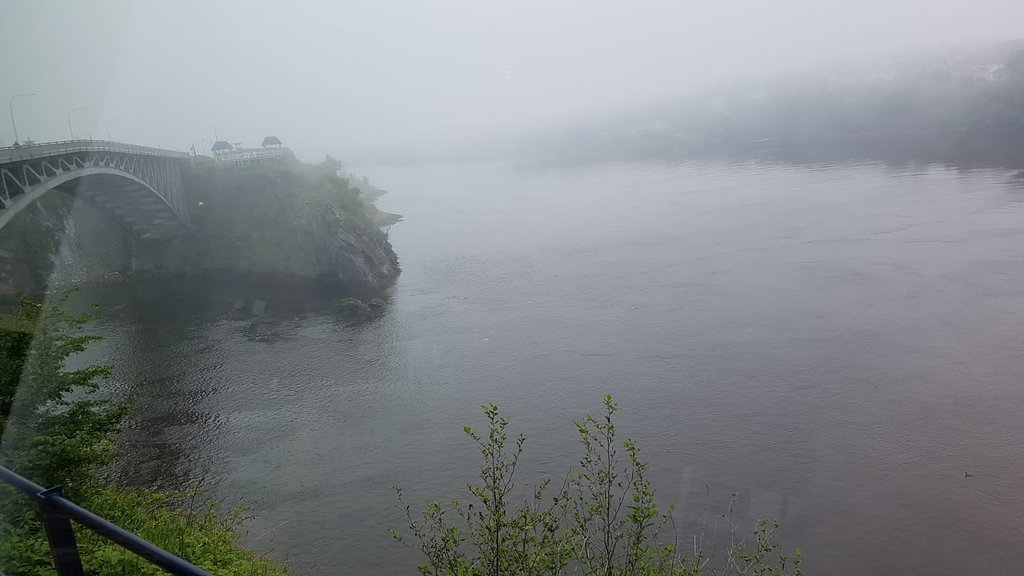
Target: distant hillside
{"points": [[962, 106]]}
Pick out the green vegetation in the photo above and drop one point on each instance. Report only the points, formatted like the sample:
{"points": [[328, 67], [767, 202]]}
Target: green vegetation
{"points": [[265, 192], [55, 428], [198, 531], [34, 236], [59, 430], [604, 520], [289, 218]]}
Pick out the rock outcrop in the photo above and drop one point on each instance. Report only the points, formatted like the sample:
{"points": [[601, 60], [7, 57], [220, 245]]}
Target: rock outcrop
{"points": [[294, 220]]}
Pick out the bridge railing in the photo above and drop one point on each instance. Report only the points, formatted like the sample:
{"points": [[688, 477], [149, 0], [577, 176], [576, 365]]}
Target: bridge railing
{"points": [[45, 149], [57, 512]]}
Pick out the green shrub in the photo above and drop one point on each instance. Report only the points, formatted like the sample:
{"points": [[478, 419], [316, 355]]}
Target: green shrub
{"points": [[55, 427], [200, 532], [604, 521], [57, 430]]}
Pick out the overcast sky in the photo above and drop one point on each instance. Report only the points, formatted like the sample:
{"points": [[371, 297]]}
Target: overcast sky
{"points": [[349, 78]]}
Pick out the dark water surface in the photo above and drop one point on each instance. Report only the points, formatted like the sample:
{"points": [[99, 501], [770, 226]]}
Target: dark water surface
{"points": [[836, 345]]}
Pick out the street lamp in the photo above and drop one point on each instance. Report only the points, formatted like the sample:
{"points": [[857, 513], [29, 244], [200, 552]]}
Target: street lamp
{"points": [[10, 107], [70, 112]]}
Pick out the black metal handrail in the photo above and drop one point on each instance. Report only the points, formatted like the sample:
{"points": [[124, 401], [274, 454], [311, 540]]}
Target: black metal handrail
{"points": [[57, 513]]}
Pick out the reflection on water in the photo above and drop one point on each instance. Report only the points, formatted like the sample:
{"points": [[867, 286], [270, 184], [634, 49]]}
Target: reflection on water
{"points": [[836, 345]]}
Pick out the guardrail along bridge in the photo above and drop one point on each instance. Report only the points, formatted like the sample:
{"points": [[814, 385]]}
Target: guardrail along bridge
{"points": [[138, 185]]}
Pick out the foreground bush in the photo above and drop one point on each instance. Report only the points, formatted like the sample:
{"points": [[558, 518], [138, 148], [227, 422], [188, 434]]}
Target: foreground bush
{"points": [[200, 532], [604, 521], [55, 426], [57, 429]]}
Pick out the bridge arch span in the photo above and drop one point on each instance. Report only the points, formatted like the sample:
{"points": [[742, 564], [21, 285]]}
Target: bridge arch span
{"points": [[139, 186], [143, 207]]}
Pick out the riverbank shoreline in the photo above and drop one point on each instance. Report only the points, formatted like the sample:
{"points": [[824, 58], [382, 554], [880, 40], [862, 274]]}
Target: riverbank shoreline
{"points": [[254, 293]]}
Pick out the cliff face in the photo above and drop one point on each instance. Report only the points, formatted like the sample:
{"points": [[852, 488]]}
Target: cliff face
{"points": [[60, 241], [343, 254], [287, 220]]}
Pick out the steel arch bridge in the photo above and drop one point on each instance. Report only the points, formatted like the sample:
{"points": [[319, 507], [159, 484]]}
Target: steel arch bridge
{"points": [[140, 186]]}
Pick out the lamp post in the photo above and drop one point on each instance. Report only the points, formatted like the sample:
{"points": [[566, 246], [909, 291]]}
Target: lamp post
{"points": [[10, 107], [70, 112]]}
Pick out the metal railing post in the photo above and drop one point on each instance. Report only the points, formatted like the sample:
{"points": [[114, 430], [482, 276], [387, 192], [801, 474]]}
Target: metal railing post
{"points": [[61, 535], [57, 513]]}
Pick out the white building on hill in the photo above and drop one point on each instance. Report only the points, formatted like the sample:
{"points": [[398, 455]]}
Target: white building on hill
{"points": [[226, 154]]}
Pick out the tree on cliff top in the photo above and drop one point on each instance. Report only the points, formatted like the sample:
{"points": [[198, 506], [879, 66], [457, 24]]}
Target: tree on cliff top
{"points": [[330, 165], [57, 431]]}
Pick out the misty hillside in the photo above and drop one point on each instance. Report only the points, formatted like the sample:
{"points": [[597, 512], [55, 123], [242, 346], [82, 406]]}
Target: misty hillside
{"points": [[962, 106]]}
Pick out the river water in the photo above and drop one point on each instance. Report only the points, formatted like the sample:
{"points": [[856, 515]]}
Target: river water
{"points": [[838, 346]]}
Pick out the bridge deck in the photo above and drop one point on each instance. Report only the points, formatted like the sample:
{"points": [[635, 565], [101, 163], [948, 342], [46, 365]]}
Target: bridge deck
{"points": [[43, 150], [139, 185]]}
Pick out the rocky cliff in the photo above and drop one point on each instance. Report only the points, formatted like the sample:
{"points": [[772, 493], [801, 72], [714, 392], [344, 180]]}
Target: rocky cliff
{"points": [[296, 219], [291, 220]]}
